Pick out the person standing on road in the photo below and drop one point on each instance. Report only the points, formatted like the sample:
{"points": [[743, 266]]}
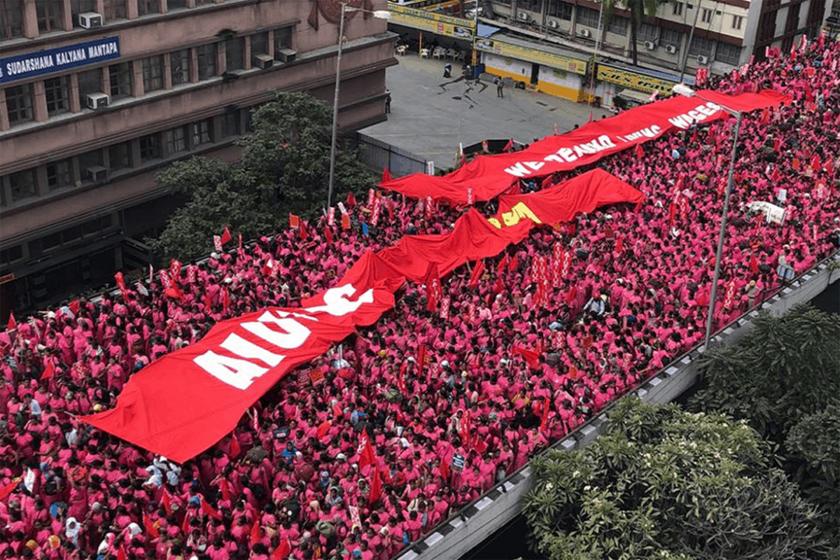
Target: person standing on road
{"points": [[387, 101], [500, 86]]}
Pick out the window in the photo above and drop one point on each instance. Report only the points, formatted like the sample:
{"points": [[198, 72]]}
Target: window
{"points": [[119, 156], [115, 9], [146, 7], [530, 5], [706, 15], [120, 76], [96, 225], [201, 132], [180, 63], [700, 46], [206, 61], [176, 5], [234, 50], [230, 124], [560, 10], [50, 15], [22, 185], [152, 73], [259, 44], [646, 32], [282, 39], [678, 8], [57, 94], [88, 163], [730, 54], [671, 37], [80, 7], [60, 175], [10, 255], [618, 25], [204, 2], [587, 17], [150, 147], [11, 19], [176, 140], [737, 22], [89, 82], [19, 104]]}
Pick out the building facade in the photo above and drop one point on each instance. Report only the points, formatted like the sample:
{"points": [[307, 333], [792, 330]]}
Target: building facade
{"points": [[726, 34], [97, 95]]}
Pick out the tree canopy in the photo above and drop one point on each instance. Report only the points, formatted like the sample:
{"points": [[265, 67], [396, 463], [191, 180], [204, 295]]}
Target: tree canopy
{"points": [[662, 483], [284, 168]]}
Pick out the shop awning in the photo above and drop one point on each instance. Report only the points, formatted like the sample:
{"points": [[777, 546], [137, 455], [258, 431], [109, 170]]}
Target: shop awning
{"points": [[485, 30], [636, 96]]}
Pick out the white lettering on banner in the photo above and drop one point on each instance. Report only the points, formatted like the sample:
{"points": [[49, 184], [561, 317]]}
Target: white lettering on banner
{"points": [[337, 304], [650, 132], [698, 114], [233, 371], [239, 372]]}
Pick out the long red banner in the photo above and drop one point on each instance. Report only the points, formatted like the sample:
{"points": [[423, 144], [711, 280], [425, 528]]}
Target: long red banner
{"points": [[485, 177], [188, 400]]}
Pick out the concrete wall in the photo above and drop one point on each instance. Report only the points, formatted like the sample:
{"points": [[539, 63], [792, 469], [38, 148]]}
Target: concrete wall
{"points": [[478, 521]]}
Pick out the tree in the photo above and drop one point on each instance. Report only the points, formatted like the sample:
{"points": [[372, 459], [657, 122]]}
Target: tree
{"points": [[662, 483], [639, 9], [786, 368], [284, 168]]}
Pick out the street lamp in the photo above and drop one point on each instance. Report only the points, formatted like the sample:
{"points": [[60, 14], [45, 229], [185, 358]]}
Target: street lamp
{"points": [[379, 14], [684, 90]]}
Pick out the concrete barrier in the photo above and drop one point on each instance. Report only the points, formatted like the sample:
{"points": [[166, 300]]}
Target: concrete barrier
{"points": [[480, 519]]}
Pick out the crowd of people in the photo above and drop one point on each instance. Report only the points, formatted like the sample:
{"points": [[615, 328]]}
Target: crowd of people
{"points": [[368, 448]]}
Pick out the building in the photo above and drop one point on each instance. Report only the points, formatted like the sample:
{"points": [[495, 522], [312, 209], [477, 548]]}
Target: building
{"points": [[97, 95], [545, 43]]}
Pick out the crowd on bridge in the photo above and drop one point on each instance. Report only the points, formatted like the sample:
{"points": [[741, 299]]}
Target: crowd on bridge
{"points": [[363, 451]]}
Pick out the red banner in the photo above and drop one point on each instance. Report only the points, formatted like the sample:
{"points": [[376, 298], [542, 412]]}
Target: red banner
{"points": [[485, 177], [188, 400]]}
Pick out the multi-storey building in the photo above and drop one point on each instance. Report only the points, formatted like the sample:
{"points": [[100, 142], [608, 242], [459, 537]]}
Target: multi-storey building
{"points": [[549, 43], [97, 95]]}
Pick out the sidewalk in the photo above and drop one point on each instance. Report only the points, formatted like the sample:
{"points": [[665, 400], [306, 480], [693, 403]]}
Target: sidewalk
{"points": [[430, 115]]}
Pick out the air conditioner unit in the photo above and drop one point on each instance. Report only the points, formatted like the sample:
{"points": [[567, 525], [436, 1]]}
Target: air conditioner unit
{"points": [[585, 33], [97, 100], [702, 59], [523, 16], [672, 49], [89, 20], [286, 55], [263, 61], [650, 45], [553, 23], [97, 174]]}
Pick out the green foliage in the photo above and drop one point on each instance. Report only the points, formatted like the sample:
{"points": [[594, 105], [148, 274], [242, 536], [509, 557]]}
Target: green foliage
{"points": [[284, 168], [662, 483], [786, 368], [814, 448], [639, 10]]}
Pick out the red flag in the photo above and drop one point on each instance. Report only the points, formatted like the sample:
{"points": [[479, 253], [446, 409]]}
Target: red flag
{"points": [[639, 151], [336, 410], [166, 502], [185, 524], [433, 288], [531, 357], [224, 488], [323, 429], [476, 273], [513, 264], [443, 468], [174, 292], [120, 279], [466, 428], [375, 487], [502, 266], [75, 306], [225, 300], [256, 530], [386, 175], [5, 491], [12, 324], [150, 527], [226, 236], [509, 146], [304, 233], [283, 550], [345, 221], [421, 357], [209, 510], [49, 370], [544, 416], [753, 264], [235, 449], [328, 234], [351, 199], [294, 220], [367, 456], [121, 555]]}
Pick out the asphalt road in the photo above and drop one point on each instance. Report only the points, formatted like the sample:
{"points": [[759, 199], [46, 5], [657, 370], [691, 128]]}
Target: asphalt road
{"points": [[430, 115]]}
